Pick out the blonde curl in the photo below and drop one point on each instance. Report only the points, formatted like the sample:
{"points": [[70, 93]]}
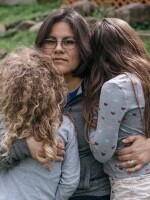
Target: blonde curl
{"points": [[33, 94]]}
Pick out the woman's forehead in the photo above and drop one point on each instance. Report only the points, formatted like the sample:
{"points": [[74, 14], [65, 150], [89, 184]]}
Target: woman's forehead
{"points": [[61, 29]]}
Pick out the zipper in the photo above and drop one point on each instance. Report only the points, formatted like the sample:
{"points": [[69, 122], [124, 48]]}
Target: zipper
{"points": [[74, 101]]}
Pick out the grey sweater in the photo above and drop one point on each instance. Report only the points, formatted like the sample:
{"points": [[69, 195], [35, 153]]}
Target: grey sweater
{"points": [[93, 180], [118, 118], [29, 180]]}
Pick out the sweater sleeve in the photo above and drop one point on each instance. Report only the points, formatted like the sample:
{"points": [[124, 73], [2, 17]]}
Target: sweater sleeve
{"points": [[70, 168], [112, 108], [19, 150]]}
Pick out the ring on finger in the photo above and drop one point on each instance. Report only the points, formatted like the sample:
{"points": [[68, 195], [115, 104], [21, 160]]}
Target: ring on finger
{"points": [[132, 163]]}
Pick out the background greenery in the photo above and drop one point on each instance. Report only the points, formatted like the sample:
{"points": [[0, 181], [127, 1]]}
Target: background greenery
{"points": [[13, 15]]}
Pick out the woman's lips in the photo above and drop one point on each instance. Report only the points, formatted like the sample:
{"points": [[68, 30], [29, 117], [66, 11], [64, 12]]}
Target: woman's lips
{"points": [[59, 59]]}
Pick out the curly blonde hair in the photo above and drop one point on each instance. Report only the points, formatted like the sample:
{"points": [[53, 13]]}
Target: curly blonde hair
{"points": [[32, 96]]}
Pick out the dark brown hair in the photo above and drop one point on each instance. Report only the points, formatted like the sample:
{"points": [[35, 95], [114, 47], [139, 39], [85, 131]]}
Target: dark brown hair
{"points": [[117, 49], [81, 33]]}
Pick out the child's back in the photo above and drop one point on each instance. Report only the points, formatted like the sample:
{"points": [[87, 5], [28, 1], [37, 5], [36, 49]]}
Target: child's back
{"points": [[123, 117], [119, 117], [30, 180], [33, 94]]}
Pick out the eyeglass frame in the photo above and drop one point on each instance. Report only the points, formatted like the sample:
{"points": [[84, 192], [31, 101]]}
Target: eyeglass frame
{"points": [[62, 42]]}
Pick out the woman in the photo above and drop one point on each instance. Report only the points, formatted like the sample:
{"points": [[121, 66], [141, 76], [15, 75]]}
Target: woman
{"points": [[65, 36], [60, 37]]}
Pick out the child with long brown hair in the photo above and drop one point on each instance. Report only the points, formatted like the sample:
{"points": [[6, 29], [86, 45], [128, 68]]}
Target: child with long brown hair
{"points": [[119, 103], [33, 94]]}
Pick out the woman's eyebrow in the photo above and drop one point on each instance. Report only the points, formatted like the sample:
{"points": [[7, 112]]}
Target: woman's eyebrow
{"points": [[64, 38]]}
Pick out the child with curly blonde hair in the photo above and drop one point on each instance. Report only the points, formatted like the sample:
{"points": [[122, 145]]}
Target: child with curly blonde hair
{"points": [[32, 97]]}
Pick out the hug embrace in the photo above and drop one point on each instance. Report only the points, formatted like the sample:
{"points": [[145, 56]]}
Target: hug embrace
{"points": [[79, 94]]}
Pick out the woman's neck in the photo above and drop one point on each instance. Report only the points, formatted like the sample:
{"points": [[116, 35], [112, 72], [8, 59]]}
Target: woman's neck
{"points": [[73, 83]]}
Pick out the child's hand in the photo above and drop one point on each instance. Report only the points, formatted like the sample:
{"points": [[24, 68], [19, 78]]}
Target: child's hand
{"points": [[60, 149]]}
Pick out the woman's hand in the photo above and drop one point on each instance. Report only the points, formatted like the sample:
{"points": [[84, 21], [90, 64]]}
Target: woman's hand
{"points": [[60, 149], [36, 148], [138, 153]]}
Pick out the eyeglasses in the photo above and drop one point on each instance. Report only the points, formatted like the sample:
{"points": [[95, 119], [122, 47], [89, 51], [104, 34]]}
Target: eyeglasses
{"points": [[66, 44]]}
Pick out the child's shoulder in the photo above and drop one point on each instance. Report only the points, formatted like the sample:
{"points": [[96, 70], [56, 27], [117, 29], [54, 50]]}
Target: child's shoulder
{"points": [[66, 121], [124, 77], [67, 129], [124, 80]]}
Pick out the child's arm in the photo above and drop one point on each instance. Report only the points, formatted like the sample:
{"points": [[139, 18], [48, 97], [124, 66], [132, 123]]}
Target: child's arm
{"points": [[70, 167], [19, 149], [23, 148], [112, 107], [18, 153]]}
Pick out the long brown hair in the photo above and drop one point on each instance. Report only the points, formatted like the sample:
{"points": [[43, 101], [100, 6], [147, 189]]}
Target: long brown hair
{"points": [[32, 97], [117, 49]]}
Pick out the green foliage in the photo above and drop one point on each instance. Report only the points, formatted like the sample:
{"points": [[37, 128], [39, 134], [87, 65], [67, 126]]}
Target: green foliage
{"points": [[13, 14], [147, 45], [141, 26], [99, 12], [21, 38]]}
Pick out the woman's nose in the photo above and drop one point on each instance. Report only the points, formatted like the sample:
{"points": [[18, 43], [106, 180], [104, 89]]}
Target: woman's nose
{"points": [[59, 47]]}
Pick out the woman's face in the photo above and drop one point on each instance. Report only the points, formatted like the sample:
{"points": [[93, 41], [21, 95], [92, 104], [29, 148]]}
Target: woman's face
{"points": [[65, 55]]}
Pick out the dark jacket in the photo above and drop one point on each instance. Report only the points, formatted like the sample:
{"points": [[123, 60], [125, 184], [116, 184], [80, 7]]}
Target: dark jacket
{"points": [[93, 180]]}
